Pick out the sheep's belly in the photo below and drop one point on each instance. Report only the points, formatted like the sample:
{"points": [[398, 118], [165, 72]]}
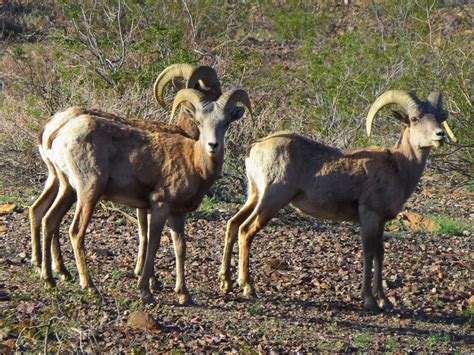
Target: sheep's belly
{"points": [[129, 199], [345, 211]]}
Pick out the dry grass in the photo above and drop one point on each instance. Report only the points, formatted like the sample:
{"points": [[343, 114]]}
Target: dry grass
{"points": [[308, 67]]}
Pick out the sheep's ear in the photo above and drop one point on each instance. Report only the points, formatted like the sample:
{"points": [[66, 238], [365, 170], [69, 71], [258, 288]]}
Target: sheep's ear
{"points": [[188, 111], [178, 83], [236, 113], [401, 116], [441, 115]]}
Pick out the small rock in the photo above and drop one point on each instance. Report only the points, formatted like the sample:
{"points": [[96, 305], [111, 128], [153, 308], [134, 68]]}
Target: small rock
{"points": [[4, 333], [324, 285], [277, 264], [26, 307], [22, 255], [3, 229], [10, 343], [471, 300], [405, 322], [4, 295], [142, 320], [102, 252], [7, 208]]}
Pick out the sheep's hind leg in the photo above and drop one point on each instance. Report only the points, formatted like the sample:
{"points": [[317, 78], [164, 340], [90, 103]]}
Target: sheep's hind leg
{"points": [[176, 224], [383, 301], [270, 203], [86, 201], [231, 236], [50, 225], [36, 213]]}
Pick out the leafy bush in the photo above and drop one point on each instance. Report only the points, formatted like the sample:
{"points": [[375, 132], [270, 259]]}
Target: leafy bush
{"points": [[312, 67], [450, 226]]}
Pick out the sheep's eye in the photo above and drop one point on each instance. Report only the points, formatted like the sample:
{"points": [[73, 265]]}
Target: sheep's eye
{"points": [[414, 119]]}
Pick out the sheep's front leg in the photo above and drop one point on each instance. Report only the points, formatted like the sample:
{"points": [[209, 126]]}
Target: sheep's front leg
{"points": [[370, 226], [176, 223], [383, 301], [159, 215], [142, 218], [142, 239]]}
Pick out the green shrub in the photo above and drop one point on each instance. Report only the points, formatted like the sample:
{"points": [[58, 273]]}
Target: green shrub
{"points": [[450, 226]]}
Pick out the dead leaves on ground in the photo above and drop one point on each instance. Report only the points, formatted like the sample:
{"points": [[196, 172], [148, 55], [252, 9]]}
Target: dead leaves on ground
{"points": [[307, 275], [417, 222]]}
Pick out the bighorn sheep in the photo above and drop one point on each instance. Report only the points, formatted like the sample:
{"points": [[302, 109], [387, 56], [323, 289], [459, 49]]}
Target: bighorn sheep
{"points": [[204, 79], [365, 185], [95, 157]]}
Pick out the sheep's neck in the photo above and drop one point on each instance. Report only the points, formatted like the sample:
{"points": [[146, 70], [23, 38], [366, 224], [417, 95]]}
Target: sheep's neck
{"points": [[412, 161], [188, 125], [208, 167]]}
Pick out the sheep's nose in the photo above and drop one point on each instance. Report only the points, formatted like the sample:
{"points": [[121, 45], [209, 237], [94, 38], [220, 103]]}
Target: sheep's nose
{"points": [[213, 145], [440, 133]]}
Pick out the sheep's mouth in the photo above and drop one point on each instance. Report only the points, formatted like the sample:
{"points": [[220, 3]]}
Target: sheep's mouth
{"points": [[438, 142], [212, 152]]}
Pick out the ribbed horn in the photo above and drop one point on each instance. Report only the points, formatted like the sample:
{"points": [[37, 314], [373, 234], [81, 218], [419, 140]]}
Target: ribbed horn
{"points": [[173, 71], [207, 77], [449, 131], [402, 98], [193, 96], [233, 96]]}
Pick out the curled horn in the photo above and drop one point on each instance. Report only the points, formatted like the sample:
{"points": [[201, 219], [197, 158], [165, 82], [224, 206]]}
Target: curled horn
{"points": [[168, 74], [436, 99], [206, 76], [193, 96], [233, 96], [402, 98], [449, 131], [208, 80]]}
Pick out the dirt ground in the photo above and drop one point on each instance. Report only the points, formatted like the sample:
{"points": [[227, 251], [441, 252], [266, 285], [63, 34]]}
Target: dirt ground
{"points": [[307, 275]]}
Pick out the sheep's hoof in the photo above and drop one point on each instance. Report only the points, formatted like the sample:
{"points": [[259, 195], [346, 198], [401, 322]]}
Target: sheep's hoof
{"points": [[155, 284], [64, 275], [385, 304], [36, 265], [226, 285], [146, 297], [91, 289], [249, 291], [184, 299], [138, 271], [371, 305], [49, 281]]}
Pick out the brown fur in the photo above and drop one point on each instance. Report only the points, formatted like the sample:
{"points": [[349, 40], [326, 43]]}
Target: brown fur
{"points": [[364, 185], [53, 136], [99, 155], [39, 138]]}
